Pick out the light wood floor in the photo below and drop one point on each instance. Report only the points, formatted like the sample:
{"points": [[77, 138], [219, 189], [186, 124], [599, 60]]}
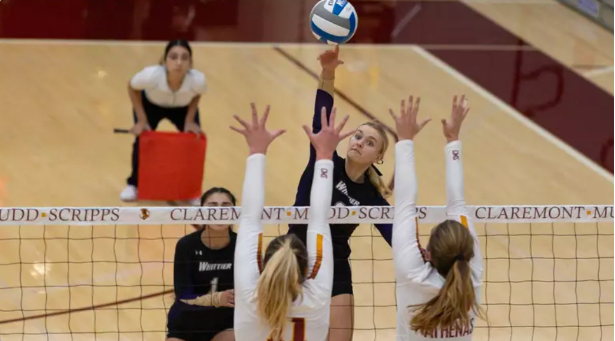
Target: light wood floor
{"points": [[60, 103]]}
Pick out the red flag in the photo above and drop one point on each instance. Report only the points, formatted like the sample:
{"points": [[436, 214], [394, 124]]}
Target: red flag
{"points": [[171, 165]]}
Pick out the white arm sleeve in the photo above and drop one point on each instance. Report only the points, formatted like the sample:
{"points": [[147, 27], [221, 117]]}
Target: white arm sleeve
{"points": [[456, 206], [249, 237], [319, 244], [407, 255], [145, 79]]}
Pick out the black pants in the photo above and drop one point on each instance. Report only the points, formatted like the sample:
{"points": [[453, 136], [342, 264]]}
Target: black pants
{"points": [[155, 114]]}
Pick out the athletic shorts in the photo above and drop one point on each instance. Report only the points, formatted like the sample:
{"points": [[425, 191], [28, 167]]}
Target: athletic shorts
{"points": [[342, 277], [198, 325]]}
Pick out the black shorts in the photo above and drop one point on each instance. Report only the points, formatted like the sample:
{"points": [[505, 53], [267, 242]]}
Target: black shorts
{"points": [[198, 325], [342, 274], [342, 277]]}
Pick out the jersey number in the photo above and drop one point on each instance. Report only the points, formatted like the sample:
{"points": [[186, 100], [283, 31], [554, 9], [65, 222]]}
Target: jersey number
{"points": [[298, 330], [214, 285]]}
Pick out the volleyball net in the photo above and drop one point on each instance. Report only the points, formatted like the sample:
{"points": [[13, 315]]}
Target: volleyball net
{"points": [[106, 273]]}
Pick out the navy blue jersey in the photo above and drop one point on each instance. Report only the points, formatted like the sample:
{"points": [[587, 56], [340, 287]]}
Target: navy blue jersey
{"points": [[199, 270], [345, 191]]}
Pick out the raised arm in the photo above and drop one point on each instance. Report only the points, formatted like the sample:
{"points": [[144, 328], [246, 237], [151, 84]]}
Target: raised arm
{"points": [[455, 202], [319, 244], [329, 61], [249, 236], [323, 105], [407, 256]]}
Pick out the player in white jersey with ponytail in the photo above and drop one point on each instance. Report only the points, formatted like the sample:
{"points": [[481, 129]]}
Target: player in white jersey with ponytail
{"points": [[438, 288], [286, 296]]}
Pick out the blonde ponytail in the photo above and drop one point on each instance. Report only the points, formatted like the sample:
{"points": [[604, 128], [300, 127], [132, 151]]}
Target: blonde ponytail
{"points": [[376, 180], [451, 246], [278, 286], [451, 307]]}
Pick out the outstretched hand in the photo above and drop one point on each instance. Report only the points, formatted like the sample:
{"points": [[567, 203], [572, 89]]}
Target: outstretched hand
{"points": [[406, 124], [257, 136], [326, 140], [458, 114], [329, 61]]}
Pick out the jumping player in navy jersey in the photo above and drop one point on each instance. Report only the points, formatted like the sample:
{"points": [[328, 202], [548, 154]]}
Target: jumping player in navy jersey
{"points": [[356, 182], [204, 279]]}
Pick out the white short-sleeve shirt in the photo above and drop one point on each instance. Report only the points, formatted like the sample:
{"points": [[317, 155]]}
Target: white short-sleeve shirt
{"points": [[153, 80]]}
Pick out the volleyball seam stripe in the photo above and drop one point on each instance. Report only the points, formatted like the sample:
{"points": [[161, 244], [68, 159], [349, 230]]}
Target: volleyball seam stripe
{"points": [[329, 27], [354, 21], [330, 17], [324, 36], [337, 9]]}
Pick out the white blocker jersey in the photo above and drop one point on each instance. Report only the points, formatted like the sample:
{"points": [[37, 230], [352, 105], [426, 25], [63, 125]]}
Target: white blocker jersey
{"points": [[417, 281], [153, 80], [309, 314]]}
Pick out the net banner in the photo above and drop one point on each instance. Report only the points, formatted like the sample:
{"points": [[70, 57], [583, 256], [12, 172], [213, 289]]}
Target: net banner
{"points": [[287, 214]]}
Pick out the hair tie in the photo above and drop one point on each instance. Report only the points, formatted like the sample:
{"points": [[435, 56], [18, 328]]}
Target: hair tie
{"points": [[459, 257], [377, 170]]}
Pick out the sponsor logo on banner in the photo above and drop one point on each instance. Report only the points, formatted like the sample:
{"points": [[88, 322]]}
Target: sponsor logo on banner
{"points": [[144, 214]]}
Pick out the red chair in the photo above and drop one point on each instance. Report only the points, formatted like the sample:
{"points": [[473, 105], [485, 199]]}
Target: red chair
{"points": [[171, 165]]}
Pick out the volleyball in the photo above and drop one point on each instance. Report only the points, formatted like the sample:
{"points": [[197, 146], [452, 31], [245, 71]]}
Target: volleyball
{"points": [[333, 21]]}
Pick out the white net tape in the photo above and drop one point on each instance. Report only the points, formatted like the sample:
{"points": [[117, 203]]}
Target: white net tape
{"points": [[290, 215]]}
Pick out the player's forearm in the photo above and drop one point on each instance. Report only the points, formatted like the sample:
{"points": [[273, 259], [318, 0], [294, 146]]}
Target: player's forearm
{"points": [[326, 82], [209, 300], [254, 187], [454, 178], [137, 103], [323, 100], [405, 173], [192, 108], [321, 192]]}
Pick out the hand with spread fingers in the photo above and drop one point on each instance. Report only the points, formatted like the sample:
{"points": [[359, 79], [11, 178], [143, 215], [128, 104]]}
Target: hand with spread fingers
{"points": [[406, 123], [459, 112], [257, 136], [326, 140]]}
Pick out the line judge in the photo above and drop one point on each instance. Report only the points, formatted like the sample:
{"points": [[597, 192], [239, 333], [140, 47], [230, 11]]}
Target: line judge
{"points": [[170, 90]]}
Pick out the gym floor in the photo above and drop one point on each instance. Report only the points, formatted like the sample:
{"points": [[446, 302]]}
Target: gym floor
{"points": [[539, 78]]}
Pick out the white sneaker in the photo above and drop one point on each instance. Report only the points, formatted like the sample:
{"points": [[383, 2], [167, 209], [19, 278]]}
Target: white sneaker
{"points": [[129, 193], [195, 202]]}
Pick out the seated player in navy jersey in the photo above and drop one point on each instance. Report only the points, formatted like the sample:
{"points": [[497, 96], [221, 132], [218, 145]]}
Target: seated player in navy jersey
{"points": [[356, 182], [203, 279]]}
